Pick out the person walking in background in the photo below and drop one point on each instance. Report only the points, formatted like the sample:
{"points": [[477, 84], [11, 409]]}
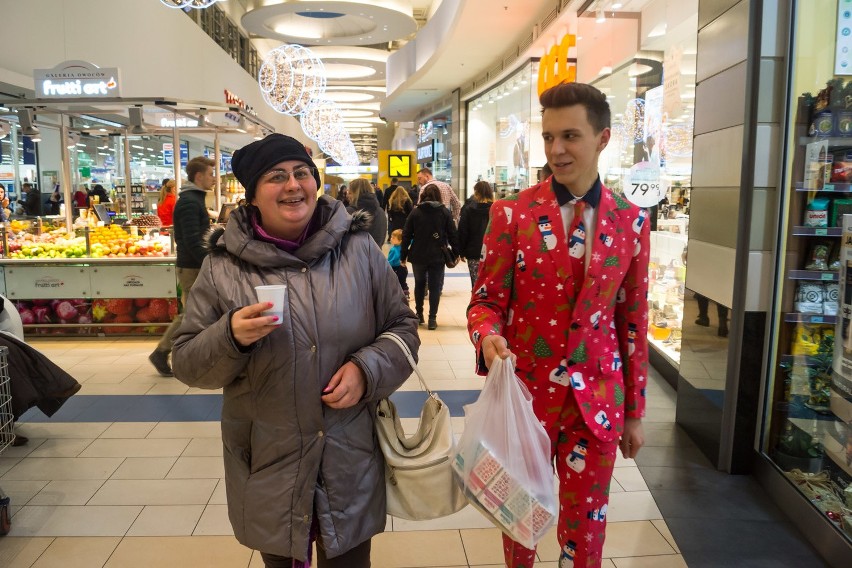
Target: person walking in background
{"points": [[166, 203], [191, 222], [32, 201], [399, 208], [363, 198], [414, 194], [394, 255], [99, 192], [389, 191], [427, 229], [472, 224], [562, 287], [448, 196], [81, 197], [5, 212], [54, 201], [302, 462]]}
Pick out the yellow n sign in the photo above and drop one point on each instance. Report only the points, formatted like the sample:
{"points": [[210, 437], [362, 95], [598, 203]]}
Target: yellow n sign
{"points": [[399, 165]]}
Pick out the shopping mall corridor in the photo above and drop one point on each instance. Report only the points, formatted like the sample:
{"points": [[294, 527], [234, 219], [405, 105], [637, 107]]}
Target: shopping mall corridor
{"points": [[129, 474]]}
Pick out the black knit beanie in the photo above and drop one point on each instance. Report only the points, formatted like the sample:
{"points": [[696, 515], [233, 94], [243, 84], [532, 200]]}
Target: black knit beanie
{"points": [[252, 161]]}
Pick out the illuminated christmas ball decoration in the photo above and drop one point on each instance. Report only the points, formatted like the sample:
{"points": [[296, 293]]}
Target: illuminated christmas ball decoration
{"points": [[634, 120], [290, 77], [320, 118], [678, 141], [197, 4]]}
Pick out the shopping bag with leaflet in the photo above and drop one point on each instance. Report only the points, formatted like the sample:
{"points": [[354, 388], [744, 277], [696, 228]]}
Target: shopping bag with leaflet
{"points": [[503, 458]]}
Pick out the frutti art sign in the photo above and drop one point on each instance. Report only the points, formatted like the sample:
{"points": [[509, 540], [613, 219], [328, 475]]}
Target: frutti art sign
{"points": [[556, 67], [77, 79]]}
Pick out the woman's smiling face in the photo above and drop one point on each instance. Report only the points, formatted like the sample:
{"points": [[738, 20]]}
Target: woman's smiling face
{"points": [[286, 196]]}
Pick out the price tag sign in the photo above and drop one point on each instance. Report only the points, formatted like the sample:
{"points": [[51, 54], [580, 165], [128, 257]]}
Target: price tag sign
{"points": [[821, 232], [828, 276], [643, 185]]}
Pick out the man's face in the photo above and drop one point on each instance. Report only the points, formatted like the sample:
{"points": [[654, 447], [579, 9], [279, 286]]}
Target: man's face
{"points": [[206, 179], [572, 146], [422, 178]]}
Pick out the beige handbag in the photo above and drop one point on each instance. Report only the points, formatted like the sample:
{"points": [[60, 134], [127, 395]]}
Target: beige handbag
{"points": [[418, 472]]}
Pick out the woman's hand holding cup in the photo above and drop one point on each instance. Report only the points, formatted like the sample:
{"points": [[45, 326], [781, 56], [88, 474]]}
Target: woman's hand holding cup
{"points": [[253, 322]]}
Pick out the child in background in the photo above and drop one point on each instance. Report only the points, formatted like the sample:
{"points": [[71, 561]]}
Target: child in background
{"points": [[394, 255]]}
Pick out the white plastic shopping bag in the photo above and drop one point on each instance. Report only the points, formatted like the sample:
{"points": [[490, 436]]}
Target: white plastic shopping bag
{"points": [[503, 458]]}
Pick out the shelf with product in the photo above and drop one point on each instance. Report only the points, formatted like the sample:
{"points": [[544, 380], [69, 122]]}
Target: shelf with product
{"points": [[807, 436], [666, 280]]}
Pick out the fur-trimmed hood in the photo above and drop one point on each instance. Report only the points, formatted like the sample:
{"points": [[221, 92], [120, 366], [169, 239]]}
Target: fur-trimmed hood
{"points": [[238, 238]]}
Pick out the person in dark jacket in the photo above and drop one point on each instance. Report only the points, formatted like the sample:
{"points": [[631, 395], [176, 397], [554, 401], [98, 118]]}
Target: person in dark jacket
{"points": [[362, 197], [427, 229], [99, 192], [302, 462], [472, 225], [399, 208], [191, 222], [389, 191], [32, 203]]}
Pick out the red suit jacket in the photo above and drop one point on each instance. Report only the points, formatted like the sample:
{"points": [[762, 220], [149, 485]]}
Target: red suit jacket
{"points": [[593, 347]]}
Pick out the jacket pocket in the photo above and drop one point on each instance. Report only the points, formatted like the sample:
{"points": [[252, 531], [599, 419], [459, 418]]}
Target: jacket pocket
{"points": [[236, 440], [609, 363]]}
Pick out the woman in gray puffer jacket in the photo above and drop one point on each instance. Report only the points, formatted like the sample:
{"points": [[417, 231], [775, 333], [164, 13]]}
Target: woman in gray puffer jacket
{"points": [[301, 458]]}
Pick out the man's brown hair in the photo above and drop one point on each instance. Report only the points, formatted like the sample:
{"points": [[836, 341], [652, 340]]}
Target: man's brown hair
{"points": [[570, 94], [198, 165]]}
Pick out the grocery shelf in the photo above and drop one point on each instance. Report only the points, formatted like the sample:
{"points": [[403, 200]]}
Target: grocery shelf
{"points": [[824, 275], [795, 317], [802, 231], [832, 187], [833, 141]]}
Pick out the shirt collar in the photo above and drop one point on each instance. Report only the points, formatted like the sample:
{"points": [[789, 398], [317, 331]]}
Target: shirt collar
{"points": [[563, 196]]}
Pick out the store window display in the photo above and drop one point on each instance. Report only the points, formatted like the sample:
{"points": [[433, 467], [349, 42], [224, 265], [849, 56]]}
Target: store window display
{"points": [[649, 159], [808, 421], [506, 123]]}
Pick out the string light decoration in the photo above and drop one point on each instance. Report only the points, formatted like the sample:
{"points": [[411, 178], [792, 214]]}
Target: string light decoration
{"points": [[320, 118], [197, 4], [290, 77], [678, 140], [634, 120]]}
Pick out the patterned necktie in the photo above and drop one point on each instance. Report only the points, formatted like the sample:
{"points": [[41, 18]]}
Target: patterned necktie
{"points": [[577, 246]]}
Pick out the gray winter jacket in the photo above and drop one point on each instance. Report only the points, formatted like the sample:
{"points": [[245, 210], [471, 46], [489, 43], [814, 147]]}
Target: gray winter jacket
{"points": [[286, 454]]}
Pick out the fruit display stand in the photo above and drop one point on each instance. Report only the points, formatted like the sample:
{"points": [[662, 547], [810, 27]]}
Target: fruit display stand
{"points": [[100, 281]]}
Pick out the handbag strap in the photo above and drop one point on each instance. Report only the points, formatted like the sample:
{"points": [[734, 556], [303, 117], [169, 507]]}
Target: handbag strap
{"points": [[407, 352]]}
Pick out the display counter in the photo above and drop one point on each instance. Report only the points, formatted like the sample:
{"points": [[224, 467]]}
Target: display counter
{"points": [[92, 296]]}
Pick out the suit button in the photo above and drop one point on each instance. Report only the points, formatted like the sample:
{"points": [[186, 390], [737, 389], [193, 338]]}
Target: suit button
{"points": [[320, 433], [304, 269], [313, 348], [306, 518]]}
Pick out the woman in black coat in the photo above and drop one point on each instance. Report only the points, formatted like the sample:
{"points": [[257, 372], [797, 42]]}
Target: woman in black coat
{"points": [[428, 227], [399, 207], [472, 225], [362, 197]]}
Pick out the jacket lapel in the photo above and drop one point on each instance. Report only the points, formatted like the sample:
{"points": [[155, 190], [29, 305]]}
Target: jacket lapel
{"points": [[547, 223]]}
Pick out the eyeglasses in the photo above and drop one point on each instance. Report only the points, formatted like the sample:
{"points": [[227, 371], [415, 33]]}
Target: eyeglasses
{"points": [[280, 177]]}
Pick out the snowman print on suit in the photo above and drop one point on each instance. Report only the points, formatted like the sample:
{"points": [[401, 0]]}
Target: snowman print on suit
{"points": [[546, 228], [602, 419], [559, 375], [577, 242], [522, 265], [596, 320], [637, 228], [569, 552], [597, 514], [631, 338], [606, 239], [576, 460]]}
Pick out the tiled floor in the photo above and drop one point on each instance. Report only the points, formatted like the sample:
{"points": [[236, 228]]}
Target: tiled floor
{"points": [[93, 492]]}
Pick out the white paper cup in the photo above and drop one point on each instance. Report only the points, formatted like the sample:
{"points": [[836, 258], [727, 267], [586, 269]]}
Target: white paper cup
{"points": [[277, 294]]}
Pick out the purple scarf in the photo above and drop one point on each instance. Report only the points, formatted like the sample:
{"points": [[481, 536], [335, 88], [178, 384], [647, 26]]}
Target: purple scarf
{"points": [[283, 244]]}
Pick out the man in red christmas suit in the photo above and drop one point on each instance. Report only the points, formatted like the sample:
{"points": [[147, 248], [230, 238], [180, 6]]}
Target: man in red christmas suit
{"points": [[562, 290]]}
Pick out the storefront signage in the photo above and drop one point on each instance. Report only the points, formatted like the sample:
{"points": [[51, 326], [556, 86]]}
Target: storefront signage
{"points": [[47, 282], [184, 154], [134, 281], [843, 42], [234, 100], [399, 165], [76, 79], [168, 154], [179, 122], [672, 100], [426, 152], [556, 67]]}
